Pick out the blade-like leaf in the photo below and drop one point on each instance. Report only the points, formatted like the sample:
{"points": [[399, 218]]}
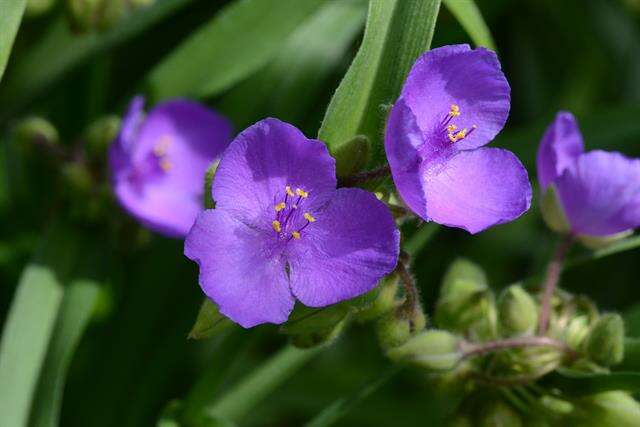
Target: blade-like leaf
{"points": [[396, 33], [11, 12], [580, 384], [470, 18], [242, 38], [209, 321], [59, 51], [30, 324], [78, 303]]}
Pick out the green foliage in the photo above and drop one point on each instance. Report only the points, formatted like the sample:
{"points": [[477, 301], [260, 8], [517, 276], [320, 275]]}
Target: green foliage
{"points": [[12, 11]]}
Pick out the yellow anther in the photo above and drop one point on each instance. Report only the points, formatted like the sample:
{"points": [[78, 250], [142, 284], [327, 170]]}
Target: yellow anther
{"points": [[452, 128], [280, 206], [309, 217], [452, 137], [161, 147], [461, 135], [455, 110], [276, 225], [295, 235], [288, 190], [165, 165], [300, 192]]}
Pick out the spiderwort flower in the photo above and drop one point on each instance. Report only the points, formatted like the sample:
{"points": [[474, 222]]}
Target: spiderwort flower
{"points": [[454, 101], [281, 230], [158, 163], [598, 191]]}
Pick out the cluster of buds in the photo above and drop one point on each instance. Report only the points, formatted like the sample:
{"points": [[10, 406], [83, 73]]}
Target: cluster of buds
{"points": [[492, 349]]}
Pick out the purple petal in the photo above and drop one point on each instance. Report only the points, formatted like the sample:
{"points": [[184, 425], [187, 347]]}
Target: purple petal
{"points": [[559, 149], [470, 79], [403, 140], [238, 271], [601, 193], [352, 244], [119, 151], [190, 137], [477, 189], [262, 161]]}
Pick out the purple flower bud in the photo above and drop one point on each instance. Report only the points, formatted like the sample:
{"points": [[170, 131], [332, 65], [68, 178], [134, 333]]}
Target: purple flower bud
{"points": [[158, 163], [281, 230], [598, 191], [454, 101]]}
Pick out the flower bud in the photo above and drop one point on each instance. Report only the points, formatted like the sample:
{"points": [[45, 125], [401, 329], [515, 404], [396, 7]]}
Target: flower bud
{"points": [[605, 342], [498, 413], [435, 350], [552, 211], [385, 300], [517, 311], [576, 331], [99, 136], [36, 130], [393, 331], [310, 327], [610, 409]]}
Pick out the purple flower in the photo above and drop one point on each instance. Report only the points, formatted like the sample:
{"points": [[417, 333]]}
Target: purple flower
{"points": [[454, 101], [598, 191], [158, 163], [281, 229]]}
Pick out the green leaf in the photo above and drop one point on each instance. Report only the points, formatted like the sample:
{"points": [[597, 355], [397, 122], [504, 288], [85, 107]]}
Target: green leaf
{"points": [[59, 51], [209, 321], [573, 383], [469, 16], [340, 407], [30, 324], [10, 17], [250, 391], [631, 361], [396, 33], [78, 303], [239, 40]]}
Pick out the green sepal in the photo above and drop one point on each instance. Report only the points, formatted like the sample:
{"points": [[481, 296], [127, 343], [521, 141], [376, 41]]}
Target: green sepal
{"points": [[209, 322], [435, 350], [309, 327], [605, 342]]}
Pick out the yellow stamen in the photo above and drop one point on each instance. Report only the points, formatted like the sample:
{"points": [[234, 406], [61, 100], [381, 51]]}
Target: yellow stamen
{"points": [[161, 147], [165, 165], [462, 134], [288, 190], [276, 225], [309, 217], [300, 192], [296, 235], [280, 206], [455, 110], [452, 137], [452, 127]]}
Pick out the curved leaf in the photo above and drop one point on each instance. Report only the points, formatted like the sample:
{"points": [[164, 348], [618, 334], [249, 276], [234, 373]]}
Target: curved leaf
{"points": [[469, 16], [12, 11]]}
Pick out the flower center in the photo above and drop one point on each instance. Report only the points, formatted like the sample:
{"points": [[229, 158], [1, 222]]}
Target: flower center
{"points": [[288, 214], [452, 128], [160, 152]]}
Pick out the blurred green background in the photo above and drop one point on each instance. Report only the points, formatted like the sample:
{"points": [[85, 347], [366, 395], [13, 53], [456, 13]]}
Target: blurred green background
{"points": [[577, 55]]}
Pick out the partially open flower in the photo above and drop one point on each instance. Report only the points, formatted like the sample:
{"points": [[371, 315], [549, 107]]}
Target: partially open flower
{"points": [[281, 229], [596, 194], [454, 101], [158, 163]]}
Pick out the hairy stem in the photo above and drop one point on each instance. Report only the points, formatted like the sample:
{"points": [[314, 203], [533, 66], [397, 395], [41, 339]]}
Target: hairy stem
{"points": [[412, 297], [473, 350], [551, 281], [364, 177]]}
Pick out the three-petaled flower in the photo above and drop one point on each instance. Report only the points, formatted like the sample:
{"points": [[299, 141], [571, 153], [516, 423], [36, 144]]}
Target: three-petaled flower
{"points": [[598, 191], [158, 163], [454, 101], [281, 229]]}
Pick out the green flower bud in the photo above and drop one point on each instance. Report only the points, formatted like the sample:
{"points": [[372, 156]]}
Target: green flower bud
{"points": [[517, 311], [552, 211], [600, 242], [393, 331], [99, 136], [610, 409], [36, 130], [310, 327], [497, 413], [209, 322], [605, 341], [210, 175], [384, 301], [576, 331], [435, 350]]}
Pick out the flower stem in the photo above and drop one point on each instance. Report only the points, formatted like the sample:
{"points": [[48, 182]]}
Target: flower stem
{"points": [[521, 342], [412, 297], [551, 281], [364, 177]]}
